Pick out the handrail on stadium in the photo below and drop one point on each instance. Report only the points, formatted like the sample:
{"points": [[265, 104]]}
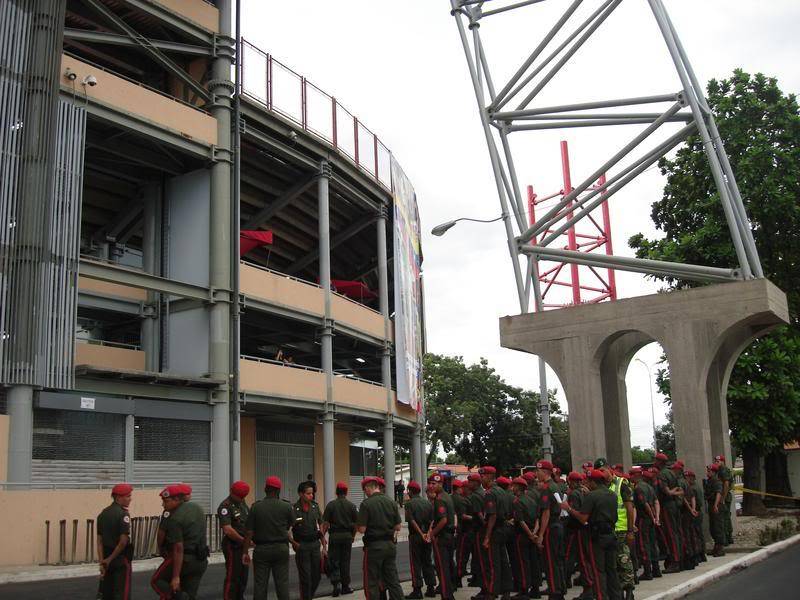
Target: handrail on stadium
{"points": [[289, 94]]}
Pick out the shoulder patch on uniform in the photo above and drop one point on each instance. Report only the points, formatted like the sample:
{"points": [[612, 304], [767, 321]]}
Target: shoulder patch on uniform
{"points": [[126, 518], [442, 510], [223, 512], [166, 514]]}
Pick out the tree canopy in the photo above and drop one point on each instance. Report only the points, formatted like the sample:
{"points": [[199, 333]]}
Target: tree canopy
{"points": [[760, 127], [480, 419]]}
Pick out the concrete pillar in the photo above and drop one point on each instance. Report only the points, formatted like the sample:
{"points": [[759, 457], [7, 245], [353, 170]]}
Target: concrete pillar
{"points": [[130, 432], [20, 433], [326, 334], [220, 87], [417, 458], [386, 352], [150, 236], [389, 471]]}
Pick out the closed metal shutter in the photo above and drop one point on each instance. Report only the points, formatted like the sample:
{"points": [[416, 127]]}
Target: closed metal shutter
{"points": [[66, 473], [291, 462], [355, 493], [169, 451]]}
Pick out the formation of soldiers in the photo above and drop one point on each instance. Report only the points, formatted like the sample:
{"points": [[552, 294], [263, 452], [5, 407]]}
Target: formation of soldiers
{"points": [[611, 529]]}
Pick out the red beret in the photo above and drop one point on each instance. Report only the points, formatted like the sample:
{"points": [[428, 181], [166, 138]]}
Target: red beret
{"points": [[380, 481], [529, 475], [689, 473], [273, 482], [574, 476], [487, 470], [556, 471], [240, 488], [720, 458], [367, 480], [503, 481], [413, 485], [520, 481], [597, 475], [342, 486], [678, 464], [587, 465], [436, 478], [618, 467], [474, 477], [172, 491], [546, 465], [714, 467], [121, 489], [457, 483], [185, 488], [661, 457]]}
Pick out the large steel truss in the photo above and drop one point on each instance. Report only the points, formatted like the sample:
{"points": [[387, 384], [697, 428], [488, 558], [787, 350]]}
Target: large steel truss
{"points": [[510, 108]]}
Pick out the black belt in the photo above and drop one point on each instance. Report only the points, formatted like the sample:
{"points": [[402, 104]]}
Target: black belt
{"points": [[272, 541], [307, 538], [379, 538]]}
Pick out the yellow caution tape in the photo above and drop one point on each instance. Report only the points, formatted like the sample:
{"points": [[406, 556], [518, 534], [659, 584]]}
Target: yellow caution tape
{"points": [[760, 493]]}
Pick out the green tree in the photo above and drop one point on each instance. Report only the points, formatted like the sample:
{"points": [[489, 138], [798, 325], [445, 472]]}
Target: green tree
{"points": [[642, 456], [760, 127], [478, 417]]}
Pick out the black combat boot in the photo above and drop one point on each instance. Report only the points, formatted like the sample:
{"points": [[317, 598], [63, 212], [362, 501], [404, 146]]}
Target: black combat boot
{"points": [[336, 590], [430, 592], [346, 590], [416, 594], [629, 594], [647, 573]]}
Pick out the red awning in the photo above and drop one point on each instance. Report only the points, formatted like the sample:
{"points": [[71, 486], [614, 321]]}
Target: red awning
{"points": [[250, 240], [353, 289]]}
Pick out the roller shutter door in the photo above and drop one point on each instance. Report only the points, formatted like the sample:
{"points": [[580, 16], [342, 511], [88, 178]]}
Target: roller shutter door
{"points": [[286, 451]]}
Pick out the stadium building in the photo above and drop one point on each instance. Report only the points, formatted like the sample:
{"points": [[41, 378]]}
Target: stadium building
{"points": [[199, 281]]}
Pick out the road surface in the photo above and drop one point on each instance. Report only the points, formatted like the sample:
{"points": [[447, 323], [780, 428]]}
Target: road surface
{"points": [[85, 588]]}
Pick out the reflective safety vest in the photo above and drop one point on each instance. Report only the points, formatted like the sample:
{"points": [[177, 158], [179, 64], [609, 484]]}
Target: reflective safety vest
{"points": [[622, 512]]}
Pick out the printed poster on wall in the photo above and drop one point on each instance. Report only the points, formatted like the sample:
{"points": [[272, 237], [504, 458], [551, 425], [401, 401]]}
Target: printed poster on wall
{"points": [[408, 326]]}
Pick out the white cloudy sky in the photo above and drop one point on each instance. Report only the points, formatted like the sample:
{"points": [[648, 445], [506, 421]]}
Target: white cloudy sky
{"points": [[399, 67]]}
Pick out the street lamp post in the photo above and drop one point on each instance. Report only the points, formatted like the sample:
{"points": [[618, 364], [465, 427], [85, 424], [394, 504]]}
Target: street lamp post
{"points": [[652, 409], [442, 228]]}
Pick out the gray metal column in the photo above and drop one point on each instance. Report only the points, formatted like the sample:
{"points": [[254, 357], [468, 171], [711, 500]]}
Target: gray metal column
{"points": [[149, 262], [20, 433], [416, 459], [386, 351], [130, 432], [221, 87], [326, 334]]}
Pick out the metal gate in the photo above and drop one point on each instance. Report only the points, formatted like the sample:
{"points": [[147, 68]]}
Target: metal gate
{"points": [[291, 462]]}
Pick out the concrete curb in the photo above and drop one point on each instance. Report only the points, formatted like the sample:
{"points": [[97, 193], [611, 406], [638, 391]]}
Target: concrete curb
{"points": [[31, 574], [687, 587]]}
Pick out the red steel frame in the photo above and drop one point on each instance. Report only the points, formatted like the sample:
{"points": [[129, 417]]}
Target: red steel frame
{"points": [[597, 239]]}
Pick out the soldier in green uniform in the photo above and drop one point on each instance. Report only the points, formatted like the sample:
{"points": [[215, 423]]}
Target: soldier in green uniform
{"points": [[725, 475], [184, 527], [524, 512], [307, 538], [651, 477], [695, 503], [599, 510], [624, 527], [419, 513], [476, 517], [535, 556], [550, 538], [465, 539], [669, 495], [232, 516], [700, 516], [643, 497], [441, 536], [379, 522], [494, 556], [577, 541], [339, 522], [114, 545], [268, 529], [713, 494]]}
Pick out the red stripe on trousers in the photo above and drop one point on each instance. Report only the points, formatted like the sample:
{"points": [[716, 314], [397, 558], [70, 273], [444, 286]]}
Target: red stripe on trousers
{"points": [[228, 574], [491, 569], [584, 566], [154, 578], [596, 584], [126, 594], [671, 537], [411, 561], [460, 566], [479, 550], [442, 578], [551, 580], [640, 535], [521, 566]]}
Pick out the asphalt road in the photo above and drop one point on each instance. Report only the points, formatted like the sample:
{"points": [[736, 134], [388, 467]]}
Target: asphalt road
{"points": [[777, 578], [85, 588]]}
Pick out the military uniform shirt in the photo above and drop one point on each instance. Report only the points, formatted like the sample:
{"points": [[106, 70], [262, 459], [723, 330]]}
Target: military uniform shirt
{"points": [[270, 520], [575, 499], [307, 519], [341, 516], [112, 523], [380, 516], [459, 507], [666, 480], [641, 498], [548, 500], [524, 511], [601, 506], [444, 509], [419, 510], [725, 474], [713, 487], [234, 513], [186, 524]]}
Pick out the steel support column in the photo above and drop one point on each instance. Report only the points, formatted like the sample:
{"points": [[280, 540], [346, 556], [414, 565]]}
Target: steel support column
{"points": [[149, 261], [20, 433], [221, 87], [386, 352], [326, 333], [130, 432]]}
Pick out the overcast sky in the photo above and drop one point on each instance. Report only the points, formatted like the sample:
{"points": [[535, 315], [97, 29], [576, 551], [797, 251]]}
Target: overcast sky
{"points": [[399, 67]]}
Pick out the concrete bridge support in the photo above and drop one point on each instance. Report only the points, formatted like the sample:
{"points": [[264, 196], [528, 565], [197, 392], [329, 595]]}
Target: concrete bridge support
{"points": [[702, 332]]}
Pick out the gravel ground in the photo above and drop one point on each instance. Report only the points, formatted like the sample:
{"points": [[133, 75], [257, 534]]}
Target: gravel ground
{"points": [[749, 527]]}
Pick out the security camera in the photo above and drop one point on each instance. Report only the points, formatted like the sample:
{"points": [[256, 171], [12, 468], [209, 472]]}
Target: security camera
{"points": [[90, 80], [70, 74]]}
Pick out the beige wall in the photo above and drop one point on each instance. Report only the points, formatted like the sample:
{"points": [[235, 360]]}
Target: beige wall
{"points": [[23, 514], [109, 357], [111, 289], [138, 100], [352, 392], [3, 447], [198, 11], [341, 460], [247, 449], [284, 382], [357, 316], [281, 290]]}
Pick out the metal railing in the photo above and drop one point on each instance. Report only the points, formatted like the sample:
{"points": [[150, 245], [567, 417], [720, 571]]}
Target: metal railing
{"points": [[93, 342], [278, 273], [288, 93]]}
